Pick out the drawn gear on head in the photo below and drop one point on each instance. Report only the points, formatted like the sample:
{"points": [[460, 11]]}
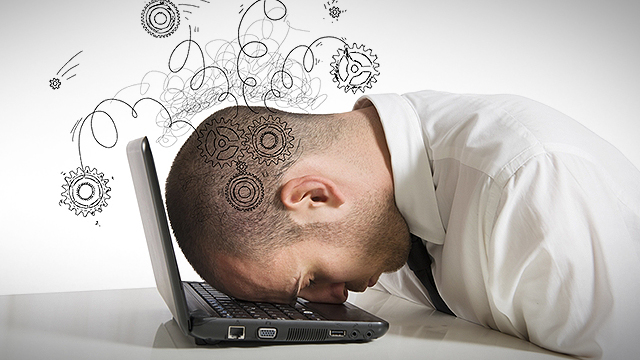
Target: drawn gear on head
{"points": [[269, 140], [85, 191], [354, 68], [220, 142]]}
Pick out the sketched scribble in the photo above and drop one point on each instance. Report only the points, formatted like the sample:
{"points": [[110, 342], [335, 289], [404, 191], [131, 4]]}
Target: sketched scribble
{"points": [[253, 68]]}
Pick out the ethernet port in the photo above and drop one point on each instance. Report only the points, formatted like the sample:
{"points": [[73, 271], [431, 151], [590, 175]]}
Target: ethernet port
{"points": [[235, 333]]}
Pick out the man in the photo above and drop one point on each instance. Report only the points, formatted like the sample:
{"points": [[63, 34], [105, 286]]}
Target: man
{"points": [[532, 221]]}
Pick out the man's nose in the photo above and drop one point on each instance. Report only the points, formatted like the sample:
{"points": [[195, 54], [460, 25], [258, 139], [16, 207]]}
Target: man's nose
{"points": [[334, 293]]}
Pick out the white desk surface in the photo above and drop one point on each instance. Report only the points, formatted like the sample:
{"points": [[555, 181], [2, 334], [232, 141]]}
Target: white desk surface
{"points": [[135, 324]]}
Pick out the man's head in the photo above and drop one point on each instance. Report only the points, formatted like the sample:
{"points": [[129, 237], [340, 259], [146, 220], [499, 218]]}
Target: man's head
{"points": [[269, 205]]}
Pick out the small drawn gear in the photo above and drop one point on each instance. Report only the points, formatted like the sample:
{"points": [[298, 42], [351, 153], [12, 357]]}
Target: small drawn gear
{"points": [[55, 83], [269, 140], [334, 12], [160, 18], [85, 191], [354, 68], [220, 142]]}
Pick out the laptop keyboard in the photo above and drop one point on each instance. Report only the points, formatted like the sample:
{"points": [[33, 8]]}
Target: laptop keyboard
{"points": [[229, 307]]}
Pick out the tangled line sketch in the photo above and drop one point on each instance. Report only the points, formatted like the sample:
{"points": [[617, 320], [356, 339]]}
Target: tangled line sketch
{"points": [[253, 68]]}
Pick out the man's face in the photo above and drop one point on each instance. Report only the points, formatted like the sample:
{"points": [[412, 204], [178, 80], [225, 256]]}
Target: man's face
{"points": [[320, 270]]}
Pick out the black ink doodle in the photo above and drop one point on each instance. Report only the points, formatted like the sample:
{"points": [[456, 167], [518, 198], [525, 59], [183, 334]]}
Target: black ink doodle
{"points": [[55, 82], [269, 140], [334, 10], [220, 142], [354, 68], [188, 7], [160, 18], [85, 191], [244, 191]]}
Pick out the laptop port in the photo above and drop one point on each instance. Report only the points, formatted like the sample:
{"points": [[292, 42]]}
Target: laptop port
{"points": [[267, 333], [235, 333], [337, 333]]}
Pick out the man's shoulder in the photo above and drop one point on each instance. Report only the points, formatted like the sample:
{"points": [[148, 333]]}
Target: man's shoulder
{"points": [[494, 133]]}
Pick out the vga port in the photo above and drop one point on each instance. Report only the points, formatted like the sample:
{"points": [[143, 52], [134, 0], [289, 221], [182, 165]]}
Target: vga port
{"points": [[267, 333]]}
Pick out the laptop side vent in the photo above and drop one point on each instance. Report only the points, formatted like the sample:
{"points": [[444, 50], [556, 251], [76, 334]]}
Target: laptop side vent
{"points": [[305, 334]]}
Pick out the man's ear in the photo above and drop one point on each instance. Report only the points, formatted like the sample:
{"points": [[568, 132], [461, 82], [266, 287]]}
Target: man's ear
{"points": [[311, 197]]}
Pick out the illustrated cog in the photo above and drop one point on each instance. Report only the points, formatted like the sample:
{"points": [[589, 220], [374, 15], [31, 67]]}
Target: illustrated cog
{"points": [[55, 83], [354, 68], [160, 18], [85, 191], [335, 12], [244, 191], [269, 140], [220, 142]]}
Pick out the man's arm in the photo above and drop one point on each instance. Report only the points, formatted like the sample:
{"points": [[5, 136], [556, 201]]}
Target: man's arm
{"points": [[562, 266]]}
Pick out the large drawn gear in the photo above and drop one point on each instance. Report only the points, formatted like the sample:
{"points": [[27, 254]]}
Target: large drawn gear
{"points": [[85, 191], [269, 140], [220, 142], [354, 68]]}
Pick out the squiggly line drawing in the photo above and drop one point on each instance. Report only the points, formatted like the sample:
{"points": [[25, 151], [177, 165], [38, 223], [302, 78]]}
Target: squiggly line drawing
{"points": [[252, 68], [55, 82]]}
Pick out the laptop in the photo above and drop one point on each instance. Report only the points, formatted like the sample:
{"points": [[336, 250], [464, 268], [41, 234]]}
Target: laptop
{"points": [[211, 316]]}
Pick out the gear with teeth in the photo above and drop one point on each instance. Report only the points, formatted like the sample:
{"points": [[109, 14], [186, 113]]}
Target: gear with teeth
{"points": [[220, 142], [354, 68], [85, 191], [269, 140]]}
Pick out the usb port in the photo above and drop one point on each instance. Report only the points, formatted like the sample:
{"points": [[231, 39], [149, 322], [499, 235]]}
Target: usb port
{"points": [[337, 333], [267, 333], [235, 333]]}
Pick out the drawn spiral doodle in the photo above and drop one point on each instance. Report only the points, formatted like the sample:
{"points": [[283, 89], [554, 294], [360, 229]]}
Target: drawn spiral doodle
{"points": [[220, 142], [244, 191], [270, 140], [354, 68], [85, 191], [160, 18]]}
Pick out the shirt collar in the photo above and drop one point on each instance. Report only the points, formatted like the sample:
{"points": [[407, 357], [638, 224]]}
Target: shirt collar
{"points": [[412, 177]]}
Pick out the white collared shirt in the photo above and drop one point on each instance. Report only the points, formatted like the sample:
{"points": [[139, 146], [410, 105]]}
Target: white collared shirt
{"points": [[532, 220]]}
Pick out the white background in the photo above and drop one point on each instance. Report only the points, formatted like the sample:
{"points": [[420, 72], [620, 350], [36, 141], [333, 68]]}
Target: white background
{"points": [[580, 57]]}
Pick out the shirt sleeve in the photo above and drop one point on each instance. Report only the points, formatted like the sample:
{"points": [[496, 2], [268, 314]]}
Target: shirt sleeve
{"points": [[562, 266]]}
